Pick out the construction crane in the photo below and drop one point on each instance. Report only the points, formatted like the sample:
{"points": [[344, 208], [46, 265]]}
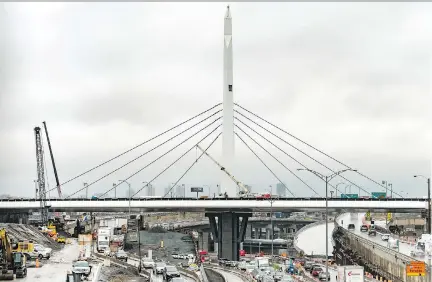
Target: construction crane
{"points": [[245, 191], [41, 175], [53, 163]]}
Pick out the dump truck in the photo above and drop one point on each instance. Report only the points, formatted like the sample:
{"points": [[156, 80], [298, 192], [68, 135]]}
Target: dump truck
{"points": [[10, 262]]}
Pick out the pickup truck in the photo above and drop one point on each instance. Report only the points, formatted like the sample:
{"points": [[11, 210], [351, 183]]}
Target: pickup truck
{"points": [[42, 251], [121, 255], [82, 267]]}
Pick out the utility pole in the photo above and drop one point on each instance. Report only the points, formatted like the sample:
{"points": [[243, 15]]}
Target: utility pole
{"points": [[327, 179], [331, 194]]}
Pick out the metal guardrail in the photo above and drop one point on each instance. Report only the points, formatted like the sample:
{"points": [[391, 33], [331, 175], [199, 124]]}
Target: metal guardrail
{"points": [[190, 274]]}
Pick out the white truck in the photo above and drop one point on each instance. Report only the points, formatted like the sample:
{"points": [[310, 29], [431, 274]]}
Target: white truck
{"points": [[103, 240], [350, 273], [262, 262]]}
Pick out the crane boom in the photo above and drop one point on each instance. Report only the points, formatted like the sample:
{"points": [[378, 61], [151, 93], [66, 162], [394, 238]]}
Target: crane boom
{"points": [[238, 183], [41, 174], [53, 163]]}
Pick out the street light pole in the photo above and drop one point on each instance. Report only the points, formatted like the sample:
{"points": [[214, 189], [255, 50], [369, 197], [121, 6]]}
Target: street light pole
{"points": [[327, 179], [129, 195], [429, 219], [336, 188], [271, 219], [115, 190]]}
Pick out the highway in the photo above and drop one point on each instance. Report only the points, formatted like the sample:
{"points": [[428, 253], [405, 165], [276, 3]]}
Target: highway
{"points": [[404, 248]]}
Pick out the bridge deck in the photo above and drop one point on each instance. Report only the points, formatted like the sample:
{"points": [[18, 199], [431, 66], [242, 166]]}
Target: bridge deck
{"points": [[218, 204]]}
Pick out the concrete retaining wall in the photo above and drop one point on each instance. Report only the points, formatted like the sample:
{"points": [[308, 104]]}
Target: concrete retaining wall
{"points": [[386, 259], [303, 229]]}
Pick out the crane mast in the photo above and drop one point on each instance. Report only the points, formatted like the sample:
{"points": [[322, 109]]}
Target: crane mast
{"points": [[53, 163], [41, 175], [238, 183]]}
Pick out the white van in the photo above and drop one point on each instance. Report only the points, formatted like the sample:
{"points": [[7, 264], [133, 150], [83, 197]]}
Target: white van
{"points": [[385, 237]]}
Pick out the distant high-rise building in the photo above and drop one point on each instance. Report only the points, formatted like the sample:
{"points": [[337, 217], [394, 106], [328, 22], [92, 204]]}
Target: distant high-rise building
{"points": [[280, 190], [169, 191], [150, 190], [180, 191]]}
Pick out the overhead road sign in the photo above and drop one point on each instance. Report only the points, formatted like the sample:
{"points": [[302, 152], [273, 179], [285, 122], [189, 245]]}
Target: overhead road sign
{"points": [[349, 196], [379, 195]]}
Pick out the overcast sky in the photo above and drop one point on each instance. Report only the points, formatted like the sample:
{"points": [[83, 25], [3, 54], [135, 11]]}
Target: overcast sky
{"points": [[353, 79]]}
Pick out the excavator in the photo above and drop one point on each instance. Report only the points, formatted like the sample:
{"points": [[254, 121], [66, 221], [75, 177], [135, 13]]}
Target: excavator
{"points": [[10, 262], [244, 192]]}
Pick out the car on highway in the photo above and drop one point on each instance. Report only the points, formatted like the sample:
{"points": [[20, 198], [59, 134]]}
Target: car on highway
{"points": [[170, 271], [316, 271], [385, 237], [324, 276], [313, 266], [82, 267], [159, 268], [364, 228], [351, 226], [417, 253], [223, 261], [147, 263], [175, 256], [121, 255], [308, 266], [372, 232]]}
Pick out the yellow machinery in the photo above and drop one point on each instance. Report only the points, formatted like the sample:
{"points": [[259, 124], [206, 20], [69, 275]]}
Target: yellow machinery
{"points": [[10, 262], [61, 239]]}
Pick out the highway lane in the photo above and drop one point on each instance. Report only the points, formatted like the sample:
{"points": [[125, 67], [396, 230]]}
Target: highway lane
{"points": [[312, 240], [404, 248]]}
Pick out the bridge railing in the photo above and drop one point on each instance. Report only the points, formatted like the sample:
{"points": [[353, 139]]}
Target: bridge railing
{"points": [[227, 199]]}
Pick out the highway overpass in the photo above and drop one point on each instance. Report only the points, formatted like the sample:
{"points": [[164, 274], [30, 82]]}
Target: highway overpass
{"points": [[218, 205]]}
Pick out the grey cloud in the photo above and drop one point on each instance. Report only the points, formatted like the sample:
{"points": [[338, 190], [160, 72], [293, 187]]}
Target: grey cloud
{"points": [[318, 70]]}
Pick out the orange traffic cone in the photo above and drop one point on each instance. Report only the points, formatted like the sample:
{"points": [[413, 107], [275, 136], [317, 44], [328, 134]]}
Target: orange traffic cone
{"points": [[37, 263]]}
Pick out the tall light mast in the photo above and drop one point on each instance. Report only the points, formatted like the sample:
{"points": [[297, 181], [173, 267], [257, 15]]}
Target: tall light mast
{"points": [[228, 109]]}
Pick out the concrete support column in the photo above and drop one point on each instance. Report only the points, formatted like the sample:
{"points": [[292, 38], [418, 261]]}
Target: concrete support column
{"points": [[204, 241], [229, 232], [249, 232]]}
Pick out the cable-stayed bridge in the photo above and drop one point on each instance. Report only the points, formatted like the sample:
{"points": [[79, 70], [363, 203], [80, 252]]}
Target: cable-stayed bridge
{"points": [[229, 121]]}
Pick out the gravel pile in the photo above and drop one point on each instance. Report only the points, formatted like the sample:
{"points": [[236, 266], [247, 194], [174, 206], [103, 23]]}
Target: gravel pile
{"points": [[115, 273], [30, 233]]}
